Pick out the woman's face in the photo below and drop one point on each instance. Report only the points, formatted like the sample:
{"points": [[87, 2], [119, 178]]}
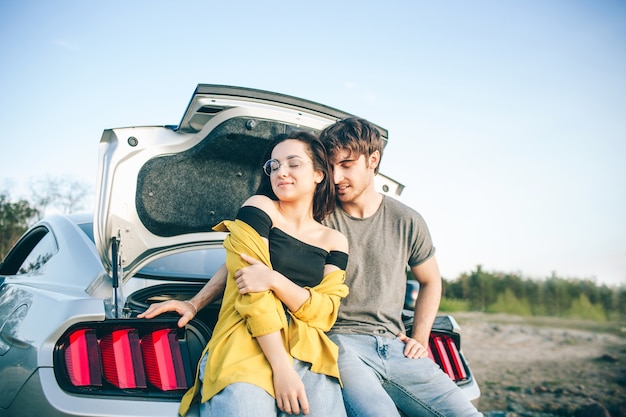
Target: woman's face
{"points": [[291, 171]]}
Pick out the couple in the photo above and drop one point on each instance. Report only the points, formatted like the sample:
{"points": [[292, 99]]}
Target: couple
{"points": [[271, 351]]}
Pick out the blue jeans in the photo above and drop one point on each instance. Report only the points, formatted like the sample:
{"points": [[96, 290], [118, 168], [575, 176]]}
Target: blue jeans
{"points": [[378, 379], [248, 400]]}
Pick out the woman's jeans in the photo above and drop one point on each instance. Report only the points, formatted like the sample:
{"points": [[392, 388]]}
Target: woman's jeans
{"points": [[377, 378], [247, 400]]}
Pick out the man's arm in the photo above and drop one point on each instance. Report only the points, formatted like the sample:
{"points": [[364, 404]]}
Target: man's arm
{"points": [[428, 299], [212, 290], [426, 307]]}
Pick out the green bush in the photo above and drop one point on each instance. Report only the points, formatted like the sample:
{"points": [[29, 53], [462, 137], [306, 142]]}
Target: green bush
{"points": [[450, 305], [582, 308], [508, 303]]}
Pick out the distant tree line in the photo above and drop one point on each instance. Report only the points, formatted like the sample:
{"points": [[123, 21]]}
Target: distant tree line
{"points": [[63, 195], [553, 296], [15, 217]]}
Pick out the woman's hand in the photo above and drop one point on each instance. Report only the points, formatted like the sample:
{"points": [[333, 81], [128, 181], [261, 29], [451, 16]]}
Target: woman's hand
{"points": [[289, 389], [186, 309], [254, 278]]}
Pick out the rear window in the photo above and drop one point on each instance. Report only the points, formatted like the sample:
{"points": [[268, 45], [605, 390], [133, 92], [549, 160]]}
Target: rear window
{"points": [[198, 264], [195, 265]]}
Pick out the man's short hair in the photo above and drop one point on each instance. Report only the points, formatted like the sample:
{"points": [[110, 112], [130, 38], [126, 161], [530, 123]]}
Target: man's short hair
{"points": [[359, 136]]}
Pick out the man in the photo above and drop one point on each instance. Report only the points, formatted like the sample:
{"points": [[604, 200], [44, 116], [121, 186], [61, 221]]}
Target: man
{"points": [[380, 366]]}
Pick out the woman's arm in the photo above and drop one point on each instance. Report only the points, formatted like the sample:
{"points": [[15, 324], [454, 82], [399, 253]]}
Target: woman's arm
{"points": [[317, 306], [288, 387], [258, 278]]}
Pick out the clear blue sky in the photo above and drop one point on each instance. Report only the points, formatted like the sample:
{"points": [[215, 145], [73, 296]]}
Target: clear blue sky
{"points": [[507, 119]]}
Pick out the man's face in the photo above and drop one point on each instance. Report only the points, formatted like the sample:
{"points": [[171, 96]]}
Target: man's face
{"points": [[352, 173]]}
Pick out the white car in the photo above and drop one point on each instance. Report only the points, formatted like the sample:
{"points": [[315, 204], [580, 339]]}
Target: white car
{"points": [[70, 289]]}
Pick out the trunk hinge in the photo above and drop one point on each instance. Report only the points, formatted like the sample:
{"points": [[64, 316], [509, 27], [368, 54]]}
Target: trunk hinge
{"points": [[117, 276]]}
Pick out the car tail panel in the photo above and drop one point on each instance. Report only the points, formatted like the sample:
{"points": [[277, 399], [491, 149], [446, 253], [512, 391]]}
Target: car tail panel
{"points": [[129, 358]]}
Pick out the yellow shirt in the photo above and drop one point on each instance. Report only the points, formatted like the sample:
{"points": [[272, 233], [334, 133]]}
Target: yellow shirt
{"points": [[234, 354]]}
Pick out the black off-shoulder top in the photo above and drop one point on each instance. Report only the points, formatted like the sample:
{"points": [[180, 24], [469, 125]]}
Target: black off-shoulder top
{"points": [[300, 262]]}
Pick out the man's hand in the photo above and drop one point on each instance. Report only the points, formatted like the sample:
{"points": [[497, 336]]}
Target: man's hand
{"points": [[413, 348], [254, 278], [212, 290], [184, 308]]}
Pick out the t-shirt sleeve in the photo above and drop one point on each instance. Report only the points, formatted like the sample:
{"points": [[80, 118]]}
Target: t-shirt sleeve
{"points": [[422, 245], [256, 218]]}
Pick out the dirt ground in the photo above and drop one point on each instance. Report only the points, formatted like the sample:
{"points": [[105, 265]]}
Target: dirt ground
{"points": [[543, 367]]}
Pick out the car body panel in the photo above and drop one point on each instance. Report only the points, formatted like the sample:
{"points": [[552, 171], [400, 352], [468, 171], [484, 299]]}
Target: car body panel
{"points": [[44, 383]]}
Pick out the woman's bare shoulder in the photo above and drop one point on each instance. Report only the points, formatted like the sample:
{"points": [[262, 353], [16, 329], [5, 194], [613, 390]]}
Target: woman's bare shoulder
{"points": [[261, 202], [337, 240]]}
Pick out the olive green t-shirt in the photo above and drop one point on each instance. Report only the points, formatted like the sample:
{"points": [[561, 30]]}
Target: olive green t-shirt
{"points": [[381, 247]]}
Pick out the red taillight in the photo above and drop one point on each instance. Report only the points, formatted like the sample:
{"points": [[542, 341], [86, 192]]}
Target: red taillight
{"points": [[120, 358], [443, 350], [456, 361], [164, 363], [83, 359]]}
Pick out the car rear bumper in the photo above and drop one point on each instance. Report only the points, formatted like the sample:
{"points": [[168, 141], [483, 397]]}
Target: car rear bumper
{"points": [[41, 395]]}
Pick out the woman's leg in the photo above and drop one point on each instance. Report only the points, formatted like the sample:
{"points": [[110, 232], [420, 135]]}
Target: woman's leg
{"points": [[248, 400], [240, 400], [323, 393]]}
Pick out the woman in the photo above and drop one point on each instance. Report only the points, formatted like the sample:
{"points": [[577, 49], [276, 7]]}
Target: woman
{"points": [[269, 353]]}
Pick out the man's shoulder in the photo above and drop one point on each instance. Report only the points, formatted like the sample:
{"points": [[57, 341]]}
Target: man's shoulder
{"points": [[391, 203]]}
